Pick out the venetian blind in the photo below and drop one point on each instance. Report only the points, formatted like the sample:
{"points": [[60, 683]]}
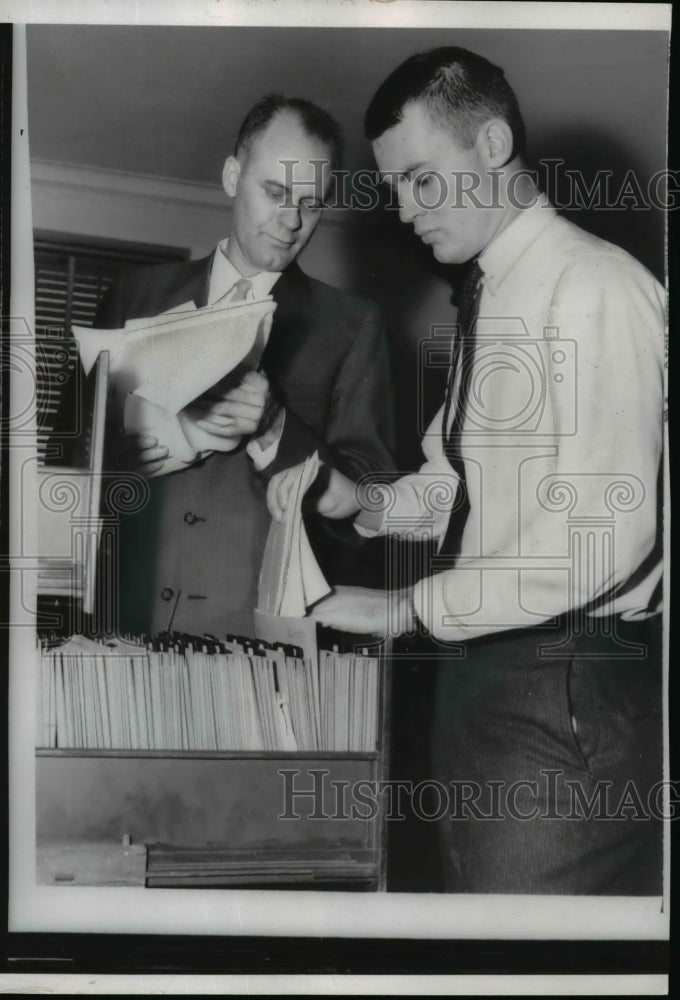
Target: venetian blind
{"points": [[71, 277]]}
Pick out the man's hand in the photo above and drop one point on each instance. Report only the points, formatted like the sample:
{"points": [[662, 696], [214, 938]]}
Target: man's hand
{"points": [[140, 453], [338, 500], [357, 609], [235, 412], [228, 412]]}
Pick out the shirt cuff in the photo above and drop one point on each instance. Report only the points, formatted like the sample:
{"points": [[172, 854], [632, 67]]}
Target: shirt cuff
{"points": [[432, 605], [263, 450], [473, 600], [374, 523]]}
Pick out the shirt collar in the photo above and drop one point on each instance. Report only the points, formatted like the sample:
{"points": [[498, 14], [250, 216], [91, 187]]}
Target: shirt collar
{"points": [[504, 251], [223, 276]]}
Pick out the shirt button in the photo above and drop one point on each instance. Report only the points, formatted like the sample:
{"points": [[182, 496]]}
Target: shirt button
{"points": [[191, 518], [167, 594]]}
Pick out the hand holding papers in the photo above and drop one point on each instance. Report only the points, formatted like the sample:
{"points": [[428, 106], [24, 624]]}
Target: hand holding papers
{"points": [[228, 411], [138, 453], [360, 610], [290, 578], [162, 365], [348, 609], [337, 501]]}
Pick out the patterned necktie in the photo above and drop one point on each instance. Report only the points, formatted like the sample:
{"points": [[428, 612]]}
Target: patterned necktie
{"points": [[241, 290], [460, 372]]}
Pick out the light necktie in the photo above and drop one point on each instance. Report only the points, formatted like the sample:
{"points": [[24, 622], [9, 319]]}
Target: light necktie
{"points": [[460, 373], [241, 290]]}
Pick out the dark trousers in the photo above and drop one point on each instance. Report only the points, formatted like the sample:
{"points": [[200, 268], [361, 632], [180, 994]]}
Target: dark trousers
{"points": [[549, 743]]}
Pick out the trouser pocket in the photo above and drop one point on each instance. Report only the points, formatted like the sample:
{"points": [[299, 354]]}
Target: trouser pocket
{"points": [[584, 711]]}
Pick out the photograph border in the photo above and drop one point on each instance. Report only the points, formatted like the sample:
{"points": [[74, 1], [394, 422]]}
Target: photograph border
{"points": [[128, 946]]}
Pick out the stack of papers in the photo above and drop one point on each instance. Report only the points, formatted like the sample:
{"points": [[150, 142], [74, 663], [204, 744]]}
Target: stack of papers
{"points": [[290, 578], [161, 365], [206, 695]]}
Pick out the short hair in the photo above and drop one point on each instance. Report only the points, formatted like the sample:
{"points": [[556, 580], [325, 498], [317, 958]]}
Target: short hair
{"points": [[459, 90], [316, 122]]}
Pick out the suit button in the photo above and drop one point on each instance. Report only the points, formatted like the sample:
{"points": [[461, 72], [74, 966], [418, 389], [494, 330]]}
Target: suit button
{"points": [[167, 594], [191, 518]]}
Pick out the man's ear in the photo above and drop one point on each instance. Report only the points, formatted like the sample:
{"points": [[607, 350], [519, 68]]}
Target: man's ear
{"points": [[230, 175], [495, 143]]}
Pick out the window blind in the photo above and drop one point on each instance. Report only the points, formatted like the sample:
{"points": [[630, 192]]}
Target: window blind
{"points": [[71, 277]]}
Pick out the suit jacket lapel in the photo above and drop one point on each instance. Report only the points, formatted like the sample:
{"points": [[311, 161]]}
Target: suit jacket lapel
{"points": [[195, 287], [291, 325], [189, 283]]}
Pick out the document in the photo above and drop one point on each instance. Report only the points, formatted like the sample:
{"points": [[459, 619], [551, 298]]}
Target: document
{"points": [[290, 578], [162, 364]]}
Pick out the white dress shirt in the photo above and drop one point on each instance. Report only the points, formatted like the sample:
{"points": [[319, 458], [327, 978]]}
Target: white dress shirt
{"points": [[222, 286], [223, 279], [561, 440]]}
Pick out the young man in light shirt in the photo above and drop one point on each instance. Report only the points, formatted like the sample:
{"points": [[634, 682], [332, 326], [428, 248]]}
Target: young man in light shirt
{"points": [[540, 487]]}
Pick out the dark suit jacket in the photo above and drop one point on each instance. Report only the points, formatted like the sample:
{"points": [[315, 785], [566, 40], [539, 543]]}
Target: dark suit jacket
{"points": [[193, 553]]}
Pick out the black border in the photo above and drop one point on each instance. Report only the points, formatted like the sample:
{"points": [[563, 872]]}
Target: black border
{"points": [[212, 955]]}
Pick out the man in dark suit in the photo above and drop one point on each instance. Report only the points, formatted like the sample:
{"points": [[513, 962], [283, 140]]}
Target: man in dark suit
{"points": [[190, 558]]}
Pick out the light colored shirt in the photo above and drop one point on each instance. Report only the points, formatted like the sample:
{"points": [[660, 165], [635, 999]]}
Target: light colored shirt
{"points": [[222, 285], [561, 440], [223, 278]]}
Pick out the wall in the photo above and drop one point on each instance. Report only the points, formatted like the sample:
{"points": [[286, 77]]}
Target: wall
{"points": [[87, 201], [368, 255], [594, 99]]}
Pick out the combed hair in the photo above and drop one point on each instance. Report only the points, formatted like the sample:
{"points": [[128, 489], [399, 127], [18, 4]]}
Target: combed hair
{"points": [[459, 90], [316, 122]]}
